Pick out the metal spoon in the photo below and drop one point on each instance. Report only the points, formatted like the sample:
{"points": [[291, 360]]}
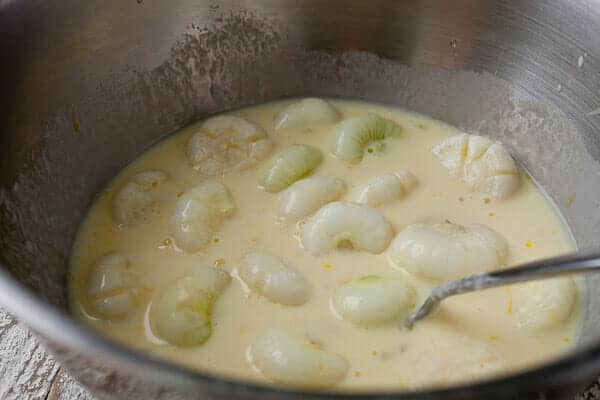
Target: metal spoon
{"points": [[542, 269]]}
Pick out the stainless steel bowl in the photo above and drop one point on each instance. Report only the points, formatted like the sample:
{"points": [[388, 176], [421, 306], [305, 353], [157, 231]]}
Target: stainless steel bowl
{"points": [[88, 85]]}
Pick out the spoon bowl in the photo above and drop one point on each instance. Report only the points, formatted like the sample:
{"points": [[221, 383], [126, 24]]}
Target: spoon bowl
{"points": [[536, 270]]}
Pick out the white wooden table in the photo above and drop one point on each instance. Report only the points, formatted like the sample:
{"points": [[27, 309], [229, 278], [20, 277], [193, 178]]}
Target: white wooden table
{"points": [[27, 372]]}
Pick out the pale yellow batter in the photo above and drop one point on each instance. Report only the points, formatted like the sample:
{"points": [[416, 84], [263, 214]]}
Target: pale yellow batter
{"points": [[470, 336]]}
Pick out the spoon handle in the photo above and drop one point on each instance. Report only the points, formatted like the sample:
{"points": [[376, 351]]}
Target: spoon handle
{"points": [[541, 269]]}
